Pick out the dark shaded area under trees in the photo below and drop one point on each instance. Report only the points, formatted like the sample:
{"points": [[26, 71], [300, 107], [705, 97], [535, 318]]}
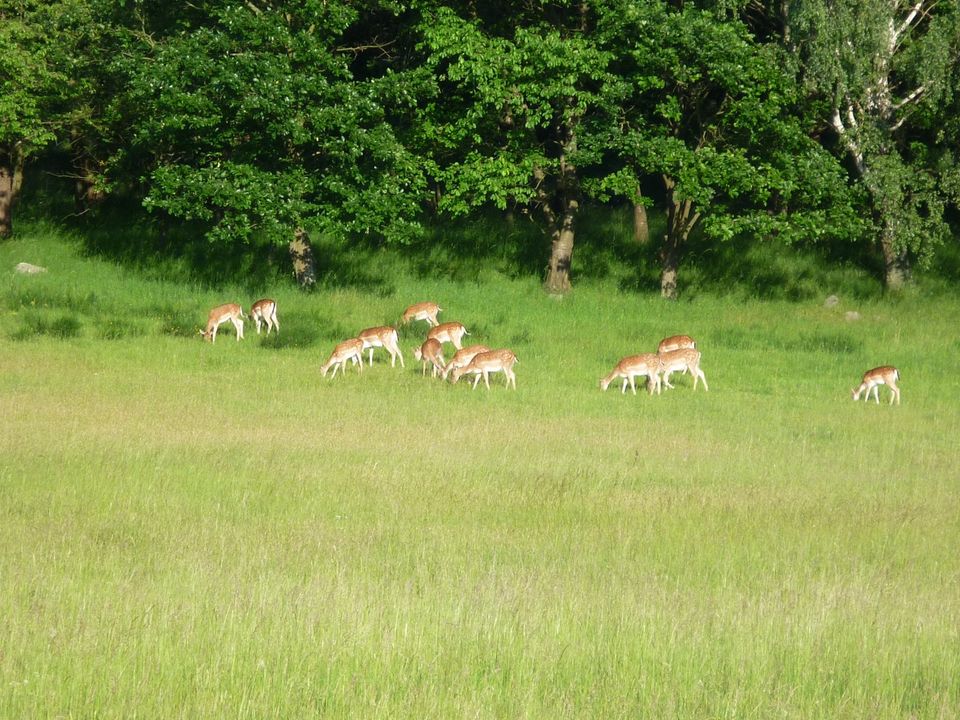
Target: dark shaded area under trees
{"points": [[282, 131]]}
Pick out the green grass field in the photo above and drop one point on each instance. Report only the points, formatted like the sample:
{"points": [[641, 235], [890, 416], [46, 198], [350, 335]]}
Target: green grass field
{"points": [[194, 530]]}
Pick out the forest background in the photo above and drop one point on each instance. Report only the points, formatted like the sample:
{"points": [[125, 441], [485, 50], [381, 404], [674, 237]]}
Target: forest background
{"points": [[267, 128]]}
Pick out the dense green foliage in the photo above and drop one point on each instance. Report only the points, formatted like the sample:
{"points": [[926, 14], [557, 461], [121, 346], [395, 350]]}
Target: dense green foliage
{"points": [[873, 68], [805, 122], [254, 124]]}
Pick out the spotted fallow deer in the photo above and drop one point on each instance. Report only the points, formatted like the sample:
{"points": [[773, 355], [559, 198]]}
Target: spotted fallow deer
{"points": [[873, 379], [463, 357], [264, 312], [351, 349], [487, 362], [385, 337], [647, 364], [430, 353], [231, 312], [451, 332], [678, 360], [677, 342], [422, 311]]}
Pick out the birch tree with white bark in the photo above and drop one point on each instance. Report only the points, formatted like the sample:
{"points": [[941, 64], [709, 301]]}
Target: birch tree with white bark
{"points": [[875, 67]]}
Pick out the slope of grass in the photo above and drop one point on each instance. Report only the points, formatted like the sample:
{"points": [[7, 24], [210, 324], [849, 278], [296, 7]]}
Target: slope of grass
{"points": [[196, 530]]}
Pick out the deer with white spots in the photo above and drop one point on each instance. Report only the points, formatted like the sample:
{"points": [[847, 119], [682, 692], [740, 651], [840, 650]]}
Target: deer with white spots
{"points": [[676, 342], [488, 362], [385, 337], [351, 349], [873, 379], [463, 357], [633, 366], [449, 332], [232, 313], [679, 360], [422, 311], [431, 352], [264, 312]]}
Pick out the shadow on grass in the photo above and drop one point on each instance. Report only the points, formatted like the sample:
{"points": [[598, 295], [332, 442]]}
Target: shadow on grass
{"points": [[300, 332], [33, 325], [758, 270], [512, 244], [167, 250]]}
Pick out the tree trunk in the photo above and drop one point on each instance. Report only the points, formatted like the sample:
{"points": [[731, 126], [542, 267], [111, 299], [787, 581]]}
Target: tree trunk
{"points": [[896, 263], [11, 180], [563, 202], [86, 195], [561, 254], [17, 175], [681, 220], [6, 198], [304, 265], [669, 262], [6, 202], [641, 228]]}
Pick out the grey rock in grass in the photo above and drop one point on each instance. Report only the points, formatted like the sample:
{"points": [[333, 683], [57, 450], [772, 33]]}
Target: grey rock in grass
{"points": [[831, 301], [28, 269], [852, 315]]}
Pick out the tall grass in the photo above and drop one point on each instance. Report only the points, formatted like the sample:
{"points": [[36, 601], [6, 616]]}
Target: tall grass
{"points": [[196, 530]]}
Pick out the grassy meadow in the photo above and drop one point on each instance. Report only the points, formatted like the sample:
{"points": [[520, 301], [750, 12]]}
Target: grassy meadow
{"points": [[191, 530]]}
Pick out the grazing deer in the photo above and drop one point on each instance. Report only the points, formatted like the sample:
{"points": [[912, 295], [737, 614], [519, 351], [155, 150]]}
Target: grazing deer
{"points": [[422, 311], [385, 337], [351, 349], [265, 312], [873, 379], [231, 312], [628, 368], [430, 352], [451, 332], [676, 342], [487, 362], [463, 357], [686, 359]]}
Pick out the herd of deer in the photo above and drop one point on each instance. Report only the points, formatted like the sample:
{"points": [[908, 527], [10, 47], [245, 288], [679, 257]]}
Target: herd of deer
{"points": [[478, 360], [674, 354]]}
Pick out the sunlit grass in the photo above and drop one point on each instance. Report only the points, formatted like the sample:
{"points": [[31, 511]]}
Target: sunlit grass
{"points": [[196, 530]]}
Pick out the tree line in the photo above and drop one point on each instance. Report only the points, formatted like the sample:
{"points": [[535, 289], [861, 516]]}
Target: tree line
{"points": [[792, 121]]}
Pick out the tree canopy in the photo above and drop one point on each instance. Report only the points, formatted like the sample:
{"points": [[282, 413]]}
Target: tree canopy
{"points": [[880, 71], [812, 121]]}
